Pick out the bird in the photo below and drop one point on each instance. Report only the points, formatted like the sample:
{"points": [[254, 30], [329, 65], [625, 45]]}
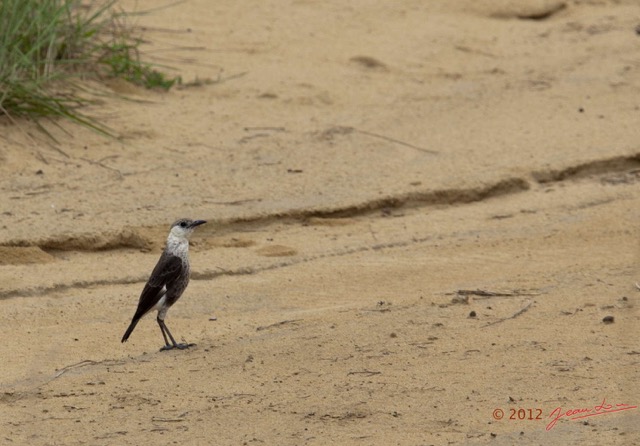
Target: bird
{"points": [[168, 281]]}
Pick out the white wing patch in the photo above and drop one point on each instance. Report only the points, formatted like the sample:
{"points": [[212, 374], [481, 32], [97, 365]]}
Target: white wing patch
{"points": [[160, 304]]}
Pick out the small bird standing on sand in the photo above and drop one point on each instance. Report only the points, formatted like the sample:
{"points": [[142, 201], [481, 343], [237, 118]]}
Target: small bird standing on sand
{"points": [[168, 280]]}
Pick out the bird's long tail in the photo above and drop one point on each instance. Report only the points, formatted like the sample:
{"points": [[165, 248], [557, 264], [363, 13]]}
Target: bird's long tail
{"points": [[127, 333]]}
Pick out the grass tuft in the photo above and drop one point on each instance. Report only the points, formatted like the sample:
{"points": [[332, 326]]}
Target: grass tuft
{"points": [[123, 61], [48, 46]]}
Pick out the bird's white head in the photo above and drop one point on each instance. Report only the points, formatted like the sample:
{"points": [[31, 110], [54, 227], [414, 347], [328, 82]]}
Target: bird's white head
{"points": [[183, 228]]}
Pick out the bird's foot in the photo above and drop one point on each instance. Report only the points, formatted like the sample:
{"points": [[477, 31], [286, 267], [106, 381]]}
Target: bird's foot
{"points": [[178, 346]]}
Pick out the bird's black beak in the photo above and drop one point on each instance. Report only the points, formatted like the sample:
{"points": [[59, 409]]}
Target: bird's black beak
{"points": [[198, 223]]}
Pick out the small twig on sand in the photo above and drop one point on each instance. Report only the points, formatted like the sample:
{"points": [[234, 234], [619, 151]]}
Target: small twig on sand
{"points": [[365, 372], [485, 293], [168, 420], [84, 363], [104, 166], [397, 141], [64, 370], [513, 316], [277, 324]]}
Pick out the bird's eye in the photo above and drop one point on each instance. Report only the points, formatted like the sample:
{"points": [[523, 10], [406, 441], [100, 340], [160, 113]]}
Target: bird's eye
{"points": [[183, 224]]}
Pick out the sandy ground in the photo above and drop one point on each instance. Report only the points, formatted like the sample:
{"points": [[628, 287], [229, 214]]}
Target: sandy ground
{"points": [[422, 230]]}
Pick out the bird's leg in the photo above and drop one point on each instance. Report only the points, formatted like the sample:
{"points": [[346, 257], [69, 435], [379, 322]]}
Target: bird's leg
{"points": [[167, 346], [165, 333]]}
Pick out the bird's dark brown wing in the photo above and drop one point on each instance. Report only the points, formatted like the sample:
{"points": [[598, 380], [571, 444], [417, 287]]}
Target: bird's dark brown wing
{"points": [[168, 269]]}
